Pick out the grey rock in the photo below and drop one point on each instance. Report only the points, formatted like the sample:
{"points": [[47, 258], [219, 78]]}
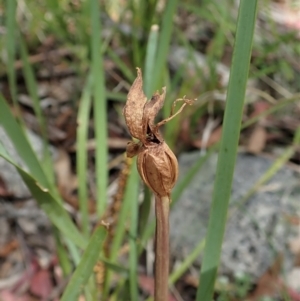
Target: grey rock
{"points": [[257, 230]]}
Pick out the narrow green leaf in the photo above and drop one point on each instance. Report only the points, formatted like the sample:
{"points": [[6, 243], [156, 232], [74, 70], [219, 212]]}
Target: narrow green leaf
{"points": [[150, 60], [164, 41], [81, 159], [133, 187], [184, 266], [21, 143], [55, 212], [32, 89], [62, 253], [85, 268], [11, 47], [128, 73], [132, 183], [100, 113], [228, 147]]}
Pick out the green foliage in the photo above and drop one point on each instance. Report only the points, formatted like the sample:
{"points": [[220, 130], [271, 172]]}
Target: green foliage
{"points": [[85, 267], [228, 148], [96, 33]]}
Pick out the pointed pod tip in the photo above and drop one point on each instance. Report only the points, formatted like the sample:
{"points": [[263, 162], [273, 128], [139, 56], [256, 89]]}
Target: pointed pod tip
{"points": [[139, 71]]}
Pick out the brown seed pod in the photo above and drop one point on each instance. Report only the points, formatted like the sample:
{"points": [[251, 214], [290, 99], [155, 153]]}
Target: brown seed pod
{"points": [[158, 167], [157, 164]]}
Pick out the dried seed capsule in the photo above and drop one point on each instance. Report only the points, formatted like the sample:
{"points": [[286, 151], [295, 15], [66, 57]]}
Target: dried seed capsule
{"points": [[158, 167]]}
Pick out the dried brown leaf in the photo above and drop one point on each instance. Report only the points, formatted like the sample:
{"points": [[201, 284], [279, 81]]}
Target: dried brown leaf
{"points": [[133, 149], [257, 140], [151, 109]]}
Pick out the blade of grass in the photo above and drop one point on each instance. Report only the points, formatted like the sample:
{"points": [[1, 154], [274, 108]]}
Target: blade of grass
{"points": [[228, 147], [116, 96], [135, 32], [281, 103], [32, 89], [11, 48], [150, 60], [133, 180], [21, 143], [81, 159], [187, 262], [100, 114], [85, 268], [62, 253], [55, 212], [132, 187], [164, 42], [272, 170], [127, 72]]}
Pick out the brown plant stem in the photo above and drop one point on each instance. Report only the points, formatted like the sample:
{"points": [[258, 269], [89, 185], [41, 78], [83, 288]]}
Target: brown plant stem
{"points": [[162, 209]]}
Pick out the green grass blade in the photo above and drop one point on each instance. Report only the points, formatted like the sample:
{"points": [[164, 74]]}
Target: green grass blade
{"points": [[100, 114], [281, 103], [189, 176], [21, 143], [85, 268], [11, 47], [150, 60], [116, 96], [81, 159], [32, 89], [273, 169], [228, 147], [164, 42], [133, 187], [187, 262], [127, 72], [145, 209], [62, 253], [55, 212], [132, 183]]}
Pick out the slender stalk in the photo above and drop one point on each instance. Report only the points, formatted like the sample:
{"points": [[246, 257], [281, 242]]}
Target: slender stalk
{"points": [[162, 260]]}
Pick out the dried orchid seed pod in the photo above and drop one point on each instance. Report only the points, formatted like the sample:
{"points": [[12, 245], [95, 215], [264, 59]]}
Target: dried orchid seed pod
{"points": [[157, 164], [158, 167]]}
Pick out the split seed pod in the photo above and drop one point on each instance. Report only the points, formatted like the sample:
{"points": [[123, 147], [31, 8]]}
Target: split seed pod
{"points": [[157, 164]]}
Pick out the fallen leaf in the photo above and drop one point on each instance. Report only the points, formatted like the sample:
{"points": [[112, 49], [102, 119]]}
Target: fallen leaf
{"points": [[269, 284], [3, 190], [41, 284], [9, 247], [257, 140], [65, 178]]}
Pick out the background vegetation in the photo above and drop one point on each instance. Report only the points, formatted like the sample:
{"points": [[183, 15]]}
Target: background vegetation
{"points": [[187, 47]]}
